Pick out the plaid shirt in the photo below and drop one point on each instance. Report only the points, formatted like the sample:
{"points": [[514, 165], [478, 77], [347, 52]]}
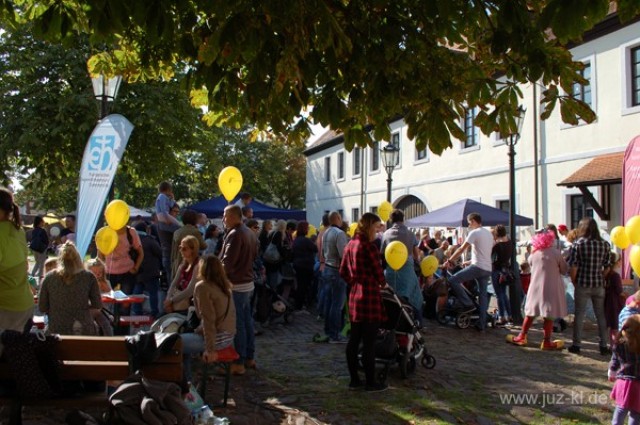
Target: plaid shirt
{"points": [[590, 257], [362, 270]]}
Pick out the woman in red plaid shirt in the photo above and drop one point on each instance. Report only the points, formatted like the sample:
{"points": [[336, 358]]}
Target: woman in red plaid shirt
{"points": [[362, 270]]}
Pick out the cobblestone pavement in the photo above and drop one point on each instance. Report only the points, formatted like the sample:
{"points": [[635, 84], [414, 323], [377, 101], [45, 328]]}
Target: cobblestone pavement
{"points": [[477, 380]]}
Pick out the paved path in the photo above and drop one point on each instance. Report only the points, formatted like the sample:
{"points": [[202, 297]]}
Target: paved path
{"points": [[477, 380]]}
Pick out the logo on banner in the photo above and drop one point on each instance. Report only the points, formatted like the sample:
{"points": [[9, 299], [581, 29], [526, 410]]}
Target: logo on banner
{"points": [[102, 155]]}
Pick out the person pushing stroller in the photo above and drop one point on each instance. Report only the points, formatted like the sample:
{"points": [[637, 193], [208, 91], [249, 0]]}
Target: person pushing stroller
{"points": [[481, 242]]}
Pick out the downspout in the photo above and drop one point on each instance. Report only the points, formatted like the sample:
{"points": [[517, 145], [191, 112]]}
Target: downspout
{"points": [[535, 158]]}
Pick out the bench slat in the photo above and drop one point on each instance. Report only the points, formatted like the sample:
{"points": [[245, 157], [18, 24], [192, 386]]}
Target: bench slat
{"points": [[118, 371]]}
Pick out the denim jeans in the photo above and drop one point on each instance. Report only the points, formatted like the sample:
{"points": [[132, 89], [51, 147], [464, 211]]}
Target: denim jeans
{"points": [[504, 307], [582, 296], [322, 295], [336, 296], [245, 339], [467, 274], [151, 287], [620, 414]]}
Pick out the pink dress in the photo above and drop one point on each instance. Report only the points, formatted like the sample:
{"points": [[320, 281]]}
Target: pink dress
{"points": [[546, 294], [626, 394]]}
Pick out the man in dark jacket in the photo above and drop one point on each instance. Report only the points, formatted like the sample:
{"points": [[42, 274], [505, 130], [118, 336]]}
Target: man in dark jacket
{"points": [[148, 277]]}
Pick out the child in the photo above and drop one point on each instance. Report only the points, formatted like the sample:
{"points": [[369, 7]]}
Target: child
{"points": [[632, 307], [613, 302], [96, 267], [624, 369], [525, 276]]}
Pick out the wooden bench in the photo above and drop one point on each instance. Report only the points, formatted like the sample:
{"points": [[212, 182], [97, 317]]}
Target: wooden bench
{"points": [[95, 359]]}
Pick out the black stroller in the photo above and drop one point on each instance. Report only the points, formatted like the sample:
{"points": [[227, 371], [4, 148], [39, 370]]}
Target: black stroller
{"points": [[271, 305], [399, 339], [453, 311]]}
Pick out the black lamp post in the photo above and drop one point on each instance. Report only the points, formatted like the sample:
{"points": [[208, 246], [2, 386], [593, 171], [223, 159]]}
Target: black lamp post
{"points": [[390, 159], [515, 290], [105, 90]]}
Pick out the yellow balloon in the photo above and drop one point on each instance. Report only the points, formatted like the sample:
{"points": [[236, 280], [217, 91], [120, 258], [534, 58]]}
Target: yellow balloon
{"points": [[429, 265], [384, 210], [117, 214], [619, 237], [312, 231], [230, 182], [396, 255], [632, 229], [634, 259], [106, 240], [352, 229]]}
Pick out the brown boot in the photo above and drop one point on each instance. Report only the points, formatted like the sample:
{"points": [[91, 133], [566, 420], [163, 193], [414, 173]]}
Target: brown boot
{"points": [[237, 369], [250, 364]]}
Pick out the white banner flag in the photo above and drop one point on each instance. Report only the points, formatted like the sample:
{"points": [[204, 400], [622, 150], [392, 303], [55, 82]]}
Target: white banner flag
{"points": [[99, 164]]}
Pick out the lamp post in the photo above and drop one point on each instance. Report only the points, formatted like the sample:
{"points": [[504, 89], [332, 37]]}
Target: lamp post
{"points": [[105, 90], [515, 290], [390, 159]]}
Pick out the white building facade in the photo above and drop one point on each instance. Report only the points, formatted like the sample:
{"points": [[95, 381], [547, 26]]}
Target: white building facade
{"points": [[552, 183]]}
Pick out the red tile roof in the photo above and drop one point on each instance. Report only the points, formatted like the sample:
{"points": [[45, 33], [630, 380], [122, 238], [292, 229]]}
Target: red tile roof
{"points": [[604, 169]]}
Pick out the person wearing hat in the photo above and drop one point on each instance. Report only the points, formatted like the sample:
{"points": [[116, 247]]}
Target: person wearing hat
{"points": [[563, 231]]}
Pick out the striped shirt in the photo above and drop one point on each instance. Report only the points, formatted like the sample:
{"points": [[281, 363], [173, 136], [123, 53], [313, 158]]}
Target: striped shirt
{"points": [[590, 257]]}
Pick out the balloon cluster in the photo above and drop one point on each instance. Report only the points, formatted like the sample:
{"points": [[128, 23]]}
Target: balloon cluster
{"points": [[629, 234], [117, 216]]}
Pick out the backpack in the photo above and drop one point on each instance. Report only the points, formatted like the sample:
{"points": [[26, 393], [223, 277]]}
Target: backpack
{"points": [[271, 254]]}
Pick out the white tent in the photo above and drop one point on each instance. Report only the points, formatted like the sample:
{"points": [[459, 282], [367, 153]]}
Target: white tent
{"points": [[134, 212]]}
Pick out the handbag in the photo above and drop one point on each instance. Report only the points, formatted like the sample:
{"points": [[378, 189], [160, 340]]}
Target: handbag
{"points": [[505, 276], [271, 254]]}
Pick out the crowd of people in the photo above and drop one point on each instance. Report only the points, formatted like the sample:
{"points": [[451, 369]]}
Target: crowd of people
{"points": [[228, 276]]}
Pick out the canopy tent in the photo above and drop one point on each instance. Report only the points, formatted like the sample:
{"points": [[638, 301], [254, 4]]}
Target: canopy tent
{"points": [[214, 208], [134, 212], [455, 215]]}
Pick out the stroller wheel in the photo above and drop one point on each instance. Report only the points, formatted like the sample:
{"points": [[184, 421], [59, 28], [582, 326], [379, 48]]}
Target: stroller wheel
{"points": [[463, 321], [288, 317], [441, 317], [428, 361]]}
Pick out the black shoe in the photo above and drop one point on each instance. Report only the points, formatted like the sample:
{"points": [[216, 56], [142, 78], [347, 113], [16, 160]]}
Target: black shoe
{"points": [[605, 351], [357, 385], [574, 349], [375, 388]]}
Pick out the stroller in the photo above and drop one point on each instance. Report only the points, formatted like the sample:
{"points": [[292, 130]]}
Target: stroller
{"points": [[399, 339], [453, 312], [271, 305]]}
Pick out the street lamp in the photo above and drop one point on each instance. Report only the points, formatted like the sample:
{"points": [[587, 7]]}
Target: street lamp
{"points": [[390, 159], [105, 91], [515, 290]]}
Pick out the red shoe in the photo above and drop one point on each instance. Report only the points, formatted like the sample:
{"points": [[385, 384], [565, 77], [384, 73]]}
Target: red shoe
{"points": [[517, 340], [227, 355]]}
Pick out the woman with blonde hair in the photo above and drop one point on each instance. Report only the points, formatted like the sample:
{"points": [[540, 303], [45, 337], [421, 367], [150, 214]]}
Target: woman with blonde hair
{"points": [[68, 294], [215, 308], [184, 282]]}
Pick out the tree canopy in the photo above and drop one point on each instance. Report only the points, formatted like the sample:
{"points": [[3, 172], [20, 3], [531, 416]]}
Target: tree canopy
{"points": [[356, 63], [47, 112]]}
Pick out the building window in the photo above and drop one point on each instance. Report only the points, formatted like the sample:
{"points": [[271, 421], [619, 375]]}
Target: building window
{"points": [[327, 169], [503, 205], [374, 210], [470, 130], [340, 165], [421, 154], [580, 209], [341, 212], [635, 75], [375, 156], [395, 140], [357, 158], [581, 92], [355, 215]]}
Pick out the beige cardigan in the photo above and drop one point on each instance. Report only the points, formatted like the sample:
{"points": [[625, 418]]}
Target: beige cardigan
{"points": [[216, 310], [181, 300]]}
